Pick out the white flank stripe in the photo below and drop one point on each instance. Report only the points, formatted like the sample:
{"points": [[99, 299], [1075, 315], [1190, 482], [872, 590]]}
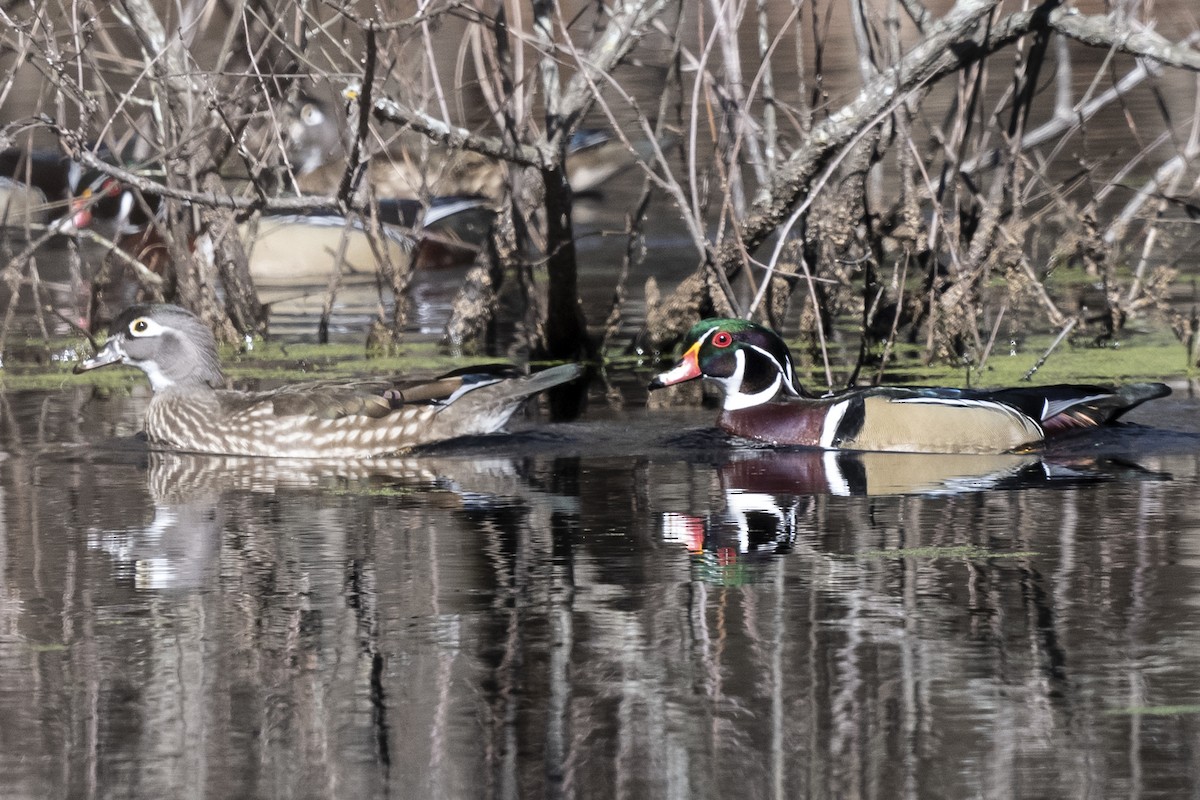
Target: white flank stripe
{"points": [[833, 418]]}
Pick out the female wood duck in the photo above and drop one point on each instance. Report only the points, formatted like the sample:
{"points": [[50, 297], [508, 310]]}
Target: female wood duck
{"points": [[316, 143], [763, 401], [21, 204], [190, 411], [316, 146]]}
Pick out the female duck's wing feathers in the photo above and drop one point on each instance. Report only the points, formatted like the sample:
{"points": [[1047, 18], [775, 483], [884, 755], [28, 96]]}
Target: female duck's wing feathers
{"points": [[314, 400], [378, 399]]}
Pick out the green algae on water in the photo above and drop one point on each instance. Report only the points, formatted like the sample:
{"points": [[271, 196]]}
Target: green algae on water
{"points": [[1155, 711], [264, 363]]}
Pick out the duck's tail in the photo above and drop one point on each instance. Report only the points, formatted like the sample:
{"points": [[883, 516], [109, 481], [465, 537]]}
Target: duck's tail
{"points": [[488, 407], [1099, 409]]}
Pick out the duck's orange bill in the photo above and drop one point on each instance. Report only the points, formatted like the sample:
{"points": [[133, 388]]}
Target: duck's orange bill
{"points": [[81, 211], [687, 369]]}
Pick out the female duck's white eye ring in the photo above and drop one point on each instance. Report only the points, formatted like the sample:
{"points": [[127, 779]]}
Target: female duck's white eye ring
{"points": [[144, 326], [311, 115], [722, 339]]}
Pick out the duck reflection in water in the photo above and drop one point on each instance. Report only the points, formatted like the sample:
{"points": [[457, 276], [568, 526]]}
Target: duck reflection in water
{"points": [[193, 494], [770, 495]]}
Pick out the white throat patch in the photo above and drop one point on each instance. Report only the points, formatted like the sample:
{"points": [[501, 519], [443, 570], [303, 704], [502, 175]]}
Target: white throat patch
{"points": [[158, 379]]}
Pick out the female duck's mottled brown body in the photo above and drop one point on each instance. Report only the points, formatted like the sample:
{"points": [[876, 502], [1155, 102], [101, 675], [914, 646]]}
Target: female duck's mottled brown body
{"points": [[190, 411], [763, 401]]}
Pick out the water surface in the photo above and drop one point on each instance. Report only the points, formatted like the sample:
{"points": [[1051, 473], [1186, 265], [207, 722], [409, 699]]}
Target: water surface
{"points": [[625, 606]]}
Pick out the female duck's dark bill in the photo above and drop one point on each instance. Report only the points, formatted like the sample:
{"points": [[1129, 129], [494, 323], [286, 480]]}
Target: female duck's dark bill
{"points": [[110, 353], [687, 369]]}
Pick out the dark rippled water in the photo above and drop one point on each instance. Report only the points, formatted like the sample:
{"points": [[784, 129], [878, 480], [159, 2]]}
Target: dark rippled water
{"points": [[624, 606]]}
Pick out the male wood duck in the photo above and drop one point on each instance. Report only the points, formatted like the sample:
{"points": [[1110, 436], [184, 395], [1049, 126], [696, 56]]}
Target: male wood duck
{"points": [[764, 401], [289, 247], [191, 411], [110, 208], [32, 183], [448, 232]]}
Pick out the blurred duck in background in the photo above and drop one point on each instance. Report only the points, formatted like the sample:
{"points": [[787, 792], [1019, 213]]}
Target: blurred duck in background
{"points": [[316, 140], [446, 233], [293, 247], [34, 186], [109, 208], [316, 136]]}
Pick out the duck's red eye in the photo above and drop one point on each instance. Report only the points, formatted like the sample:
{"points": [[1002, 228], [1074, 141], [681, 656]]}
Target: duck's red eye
{"points": [[722, 339]]}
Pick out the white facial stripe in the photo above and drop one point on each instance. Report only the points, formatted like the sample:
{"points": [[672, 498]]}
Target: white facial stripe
{"points": [[734, 382], [789, 375], [832, 420], [144, 328], [126, 209], [736, 400], [785, 368]]}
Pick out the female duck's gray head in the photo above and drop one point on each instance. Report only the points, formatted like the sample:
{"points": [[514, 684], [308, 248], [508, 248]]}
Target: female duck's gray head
{"points": [[315, 134], [170, 344]]}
